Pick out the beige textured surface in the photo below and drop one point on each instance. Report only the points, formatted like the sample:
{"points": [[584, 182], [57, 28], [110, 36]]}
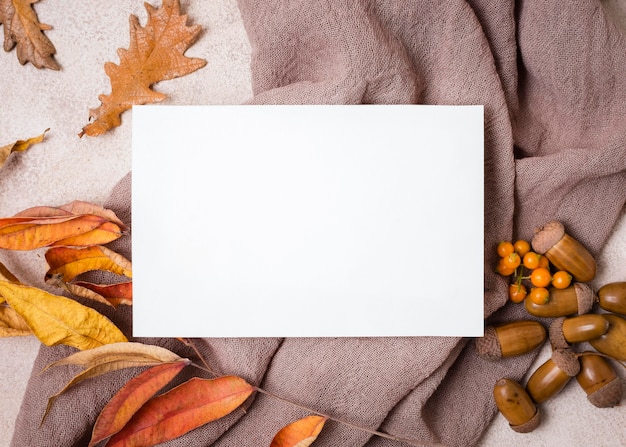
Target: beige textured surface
{"points": [[65, 168]]}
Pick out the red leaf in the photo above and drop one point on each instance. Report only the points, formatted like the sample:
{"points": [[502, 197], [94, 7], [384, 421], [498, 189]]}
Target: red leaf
{"points": [[300, 433], [131, 398], [188, 406]]}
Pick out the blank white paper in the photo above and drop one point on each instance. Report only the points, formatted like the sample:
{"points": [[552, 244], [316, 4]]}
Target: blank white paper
{"points": [[307, 221]]}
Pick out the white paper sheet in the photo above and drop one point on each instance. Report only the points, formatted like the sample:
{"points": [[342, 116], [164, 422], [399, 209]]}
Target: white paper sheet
{"points": [[307, 221]]}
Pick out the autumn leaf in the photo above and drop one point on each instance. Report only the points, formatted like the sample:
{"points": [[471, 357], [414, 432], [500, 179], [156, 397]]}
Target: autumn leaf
{"points": [[183, 408], [112, 357], [19, 145], [156, 53], [22, 27], [12, 324], [76, 207], [110, 294], [300, 433], [66, 263], [6, 275], [131, 398], [58, 320], [103, 234]]}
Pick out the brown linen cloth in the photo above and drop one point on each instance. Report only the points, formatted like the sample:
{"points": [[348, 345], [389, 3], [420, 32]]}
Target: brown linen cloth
{"points": [[552, 77]]}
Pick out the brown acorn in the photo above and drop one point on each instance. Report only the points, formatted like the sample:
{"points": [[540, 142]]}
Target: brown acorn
{"points": [[510, 339], [613, 342], [564, 331], [575, 299], [599, 380], [612, 297], [564, 252], [516, 406], [552, 376]]}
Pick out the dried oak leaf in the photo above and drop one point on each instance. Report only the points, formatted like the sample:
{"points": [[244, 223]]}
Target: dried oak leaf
{"points": [[156, 53], [22, 27]]}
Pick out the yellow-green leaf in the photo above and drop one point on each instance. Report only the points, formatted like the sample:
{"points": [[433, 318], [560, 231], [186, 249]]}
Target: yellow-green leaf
{"points": [[58, 320]]}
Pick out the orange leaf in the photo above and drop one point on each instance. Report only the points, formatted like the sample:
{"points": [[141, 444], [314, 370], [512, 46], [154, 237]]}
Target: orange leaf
{"points": [[113, 294], [66, 263], [23, 233], [76, 207], [156, 53], [105, 233], [300, 433], [184, 408], [22, 27], [131, 398], [6, 275], [19, 145]]}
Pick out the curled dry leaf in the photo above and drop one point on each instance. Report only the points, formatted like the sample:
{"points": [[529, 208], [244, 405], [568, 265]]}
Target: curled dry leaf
{"points": [[77, 207], [111, 294], [26, 233], [111, 357], [300, 433], [22, 27], [6, 275], [58, 320], [182, 409], [131, 397], [12, 324], [156, 53], [66, 263], [19, 145]]}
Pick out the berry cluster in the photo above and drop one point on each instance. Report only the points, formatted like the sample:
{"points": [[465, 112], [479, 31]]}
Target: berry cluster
{"points": [[518, 261]]}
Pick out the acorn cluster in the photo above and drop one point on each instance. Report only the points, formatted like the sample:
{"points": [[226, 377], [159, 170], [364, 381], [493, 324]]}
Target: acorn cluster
{"points": [[550, 275]]}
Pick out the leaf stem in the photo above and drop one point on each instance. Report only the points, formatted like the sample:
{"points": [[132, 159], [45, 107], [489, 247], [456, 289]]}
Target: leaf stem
{"points": [[412, 442], [207, 368]]}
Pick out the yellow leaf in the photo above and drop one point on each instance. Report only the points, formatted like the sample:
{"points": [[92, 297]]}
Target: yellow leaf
{"points": [[156, 53], [58, 320], [19, 146], [112, 357], [67, 263]]}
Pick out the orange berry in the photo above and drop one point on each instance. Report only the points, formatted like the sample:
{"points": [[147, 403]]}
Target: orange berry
{"points": [[544, 262], [561, 279], [539, 295], [540, 277], [521, 247], [517, 292], [505, 248], [503, 269], [512, 260], [531, 260]]}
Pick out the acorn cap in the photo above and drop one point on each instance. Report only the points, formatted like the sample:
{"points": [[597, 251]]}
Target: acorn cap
{"points": [[529, 425], [546, 236], [607, 396], [567, 361], [585, 297], [488, 345], [555, 331]]}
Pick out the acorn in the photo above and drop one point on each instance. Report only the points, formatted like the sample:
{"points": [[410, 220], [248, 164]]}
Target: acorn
{"points": [[552, 376], [565, 331], [613, 342], [575, 299], [599, 380], [564, 252], [516, 406], [510, 339], [612, 297]]}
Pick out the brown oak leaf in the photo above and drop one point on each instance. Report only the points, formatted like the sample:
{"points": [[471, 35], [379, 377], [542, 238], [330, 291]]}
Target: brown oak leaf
{"points": [[22, 28], [156, 53]]}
